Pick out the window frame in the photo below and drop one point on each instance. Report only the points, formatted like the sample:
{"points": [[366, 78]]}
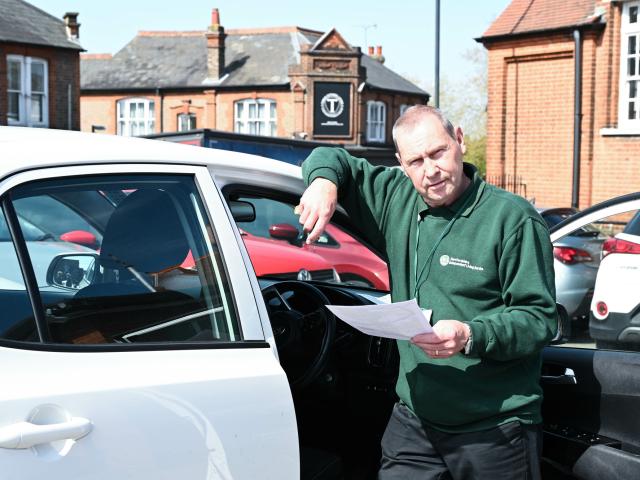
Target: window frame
{"points": [[629, 30], [192, 118], [26, 92], [376, 129], [252, 322], [123, 116], [243, 121]]}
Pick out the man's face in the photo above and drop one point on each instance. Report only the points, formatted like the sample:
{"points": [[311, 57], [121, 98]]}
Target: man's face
{"points": [[433, 160]]}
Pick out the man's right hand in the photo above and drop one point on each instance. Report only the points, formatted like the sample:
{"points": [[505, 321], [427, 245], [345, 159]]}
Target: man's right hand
{"points": [[317, 204]]}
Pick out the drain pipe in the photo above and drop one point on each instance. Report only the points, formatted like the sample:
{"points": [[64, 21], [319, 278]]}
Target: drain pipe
{"points": [[577, 119]]}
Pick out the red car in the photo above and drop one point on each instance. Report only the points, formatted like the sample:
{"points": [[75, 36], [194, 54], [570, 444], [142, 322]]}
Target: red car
{"points": [[355, 263]]}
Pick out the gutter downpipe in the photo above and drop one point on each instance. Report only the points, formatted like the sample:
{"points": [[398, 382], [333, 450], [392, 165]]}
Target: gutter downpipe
{"points": [[577, 119], [160, 94]]}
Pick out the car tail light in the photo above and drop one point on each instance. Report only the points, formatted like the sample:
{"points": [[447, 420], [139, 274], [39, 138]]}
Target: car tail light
{"points": [[602, 309], [570, 255], [617, 245]]}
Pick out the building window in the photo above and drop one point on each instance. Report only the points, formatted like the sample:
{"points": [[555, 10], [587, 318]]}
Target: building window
{"points": [[376, 121], [404, 107], [255, 117], [27, 90], [186, 121], [629, 108], [136, 116]]}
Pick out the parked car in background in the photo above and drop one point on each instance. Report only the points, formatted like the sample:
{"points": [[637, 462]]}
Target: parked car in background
{"points": [[615, 308], [576, 261]]}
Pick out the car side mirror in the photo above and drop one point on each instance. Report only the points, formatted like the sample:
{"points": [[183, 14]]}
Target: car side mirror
{"points": [[284, 231], [81, 237], [564, 326], [242, 211], [72, 271]]}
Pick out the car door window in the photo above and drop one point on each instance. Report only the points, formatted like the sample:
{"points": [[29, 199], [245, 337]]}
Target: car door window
{"points": [[597, 271], [156, 274], [17, 321]]}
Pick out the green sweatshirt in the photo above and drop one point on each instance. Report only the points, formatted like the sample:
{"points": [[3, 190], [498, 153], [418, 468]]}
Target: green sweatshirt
{"points": [[493, 269]]}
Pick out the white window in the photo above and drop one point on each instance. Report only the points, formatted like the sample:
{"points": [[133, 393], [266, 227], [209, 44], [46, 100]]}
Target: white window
{"points": [[376, 121], [28, 99], [186, 121], [136, 116], [255, 117], [629, 108]]}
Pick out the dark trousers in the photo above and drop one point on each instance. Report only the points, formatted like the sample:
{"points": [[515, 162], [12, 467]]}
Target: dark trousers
{"points": [[411, 450]]}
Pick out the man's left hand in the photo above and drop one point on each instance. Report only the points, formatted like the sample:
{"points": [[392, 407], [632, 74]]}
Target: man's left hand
{"points": [[448, 338]]}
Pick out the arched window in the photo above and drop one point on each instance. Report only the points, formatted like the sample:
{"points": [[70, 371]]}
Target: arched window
{"points": [[376, 121], [255, 117], [136, 116]]}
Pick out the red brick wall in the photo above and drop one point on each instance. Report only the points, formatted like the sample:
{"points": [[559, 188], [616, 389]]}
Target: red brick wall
{"points": [[530, 116], [63, 70]]}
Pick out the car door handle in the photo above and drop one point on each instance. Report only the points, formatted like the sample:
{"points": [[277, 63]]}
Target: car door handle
{"points": [[568, 378], [27, 434]]}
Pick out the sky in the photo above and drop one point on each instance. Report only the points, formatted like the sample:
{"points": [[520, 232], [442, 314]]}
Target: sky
{"points": [[404, 28]]}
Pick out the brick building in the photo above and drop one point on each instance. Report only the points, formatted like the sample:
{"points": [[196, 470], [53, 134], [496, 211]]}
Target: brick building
{"points": [[39, 67], [287, 82], [537, 128]]}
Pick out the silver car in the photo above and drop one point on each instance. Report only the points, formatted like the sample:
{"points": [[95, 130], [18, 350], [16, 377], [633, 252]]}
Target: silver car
{"points": [[576, 262]]}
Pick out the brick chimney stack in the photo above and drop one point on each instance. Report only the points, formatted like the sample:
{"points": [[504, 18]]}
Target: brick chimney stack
{"points": [[72, 25], [215, 47], [379, 55]]}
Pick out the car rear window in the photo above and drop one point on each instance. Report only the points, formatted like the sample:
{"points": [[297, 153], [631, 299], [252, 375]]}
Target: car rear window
{"points": [[633, 227]]}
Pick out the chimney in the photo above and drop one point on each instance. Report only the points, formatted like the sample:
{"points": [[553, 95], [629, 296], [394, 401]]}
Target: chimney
{"points": [[370, 51], [215, 47], [72, 25], [379, 55]]}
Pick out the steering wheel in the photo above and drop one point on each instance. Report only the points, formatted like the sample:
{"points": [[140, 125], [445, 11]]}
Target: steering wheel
{"points": [[302, 327]]}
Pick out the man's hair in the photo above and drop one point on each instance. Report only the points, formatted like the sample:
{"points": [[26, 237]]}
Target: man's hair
{"points": [[414, 114]]}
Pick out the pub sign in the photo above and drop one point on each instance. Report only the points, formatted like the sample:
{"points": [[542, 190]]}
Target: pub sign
{"points": [[332, 108]]}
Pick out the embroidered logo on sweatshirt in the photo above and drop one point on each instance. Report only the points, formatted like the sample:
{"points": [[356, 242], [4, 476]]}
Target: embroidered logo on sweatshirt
{"points": [[446, 260]]}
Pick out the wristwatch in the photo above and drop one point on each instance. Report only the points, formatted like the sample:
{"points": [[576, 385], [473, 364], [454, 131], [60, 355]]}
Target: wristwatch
{"points": [[469, 345]]}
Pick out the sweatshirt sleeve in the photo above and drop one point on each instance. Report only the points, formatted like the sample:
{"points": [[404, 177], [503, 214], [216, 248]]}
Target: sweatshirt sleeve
{"points": [[363, 189], [529, 319]]}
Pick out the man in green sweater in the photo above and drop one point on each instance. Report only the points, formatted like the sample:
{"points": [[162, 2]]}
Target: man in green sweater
{"points": [[480, 259]]}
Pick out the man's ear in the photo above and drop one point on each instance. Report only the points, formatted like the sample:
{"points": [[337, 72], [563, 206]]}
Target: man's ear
{"points": [[401, 164], [460, 139]]}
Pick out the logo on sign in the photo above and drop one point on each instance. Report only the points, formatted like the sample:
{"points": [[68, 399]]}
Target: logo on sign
{"points": [[332, 105]]}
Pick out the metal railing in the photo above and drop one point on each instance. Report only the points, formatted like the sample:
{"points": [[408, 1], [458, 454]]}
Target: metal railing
{"points": [[511, 183]]}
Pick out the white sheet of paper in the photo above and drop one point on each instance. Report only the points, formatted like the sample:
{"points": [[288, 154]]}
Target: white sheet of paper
{"points": [[400, 320]]}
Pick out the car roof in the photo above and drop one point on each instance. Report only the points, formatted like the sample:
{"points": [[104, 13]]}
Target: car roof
{"points": [[28, 148]]}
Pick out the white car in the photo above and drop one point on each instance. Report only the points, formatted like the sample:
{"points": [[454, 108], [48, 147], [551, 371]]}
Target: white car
{"points": [[615, 308], [132, 363]]}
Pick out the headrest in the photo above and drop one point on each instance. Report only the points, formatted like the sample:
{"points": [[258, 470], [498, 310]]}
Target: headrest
{"points": [[144, 232]]}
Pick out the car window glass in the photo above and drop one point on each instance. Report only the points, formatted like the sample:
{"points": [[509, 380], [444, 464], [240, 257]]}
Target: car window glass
{"points": [[17, 321], [275, 220], [597, 271], [51, 216], [156, 275]]}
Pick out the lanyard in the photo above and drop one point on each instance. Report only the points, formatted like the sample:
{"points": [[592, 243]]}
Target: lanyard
{"points": [[427, 263]]}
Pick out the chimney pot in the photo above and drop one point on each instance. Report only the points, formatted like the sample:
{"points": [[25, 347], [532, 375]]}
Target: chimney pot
{"points": [[379, 50], [371, 51], [71, 24], [215, 17]]}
